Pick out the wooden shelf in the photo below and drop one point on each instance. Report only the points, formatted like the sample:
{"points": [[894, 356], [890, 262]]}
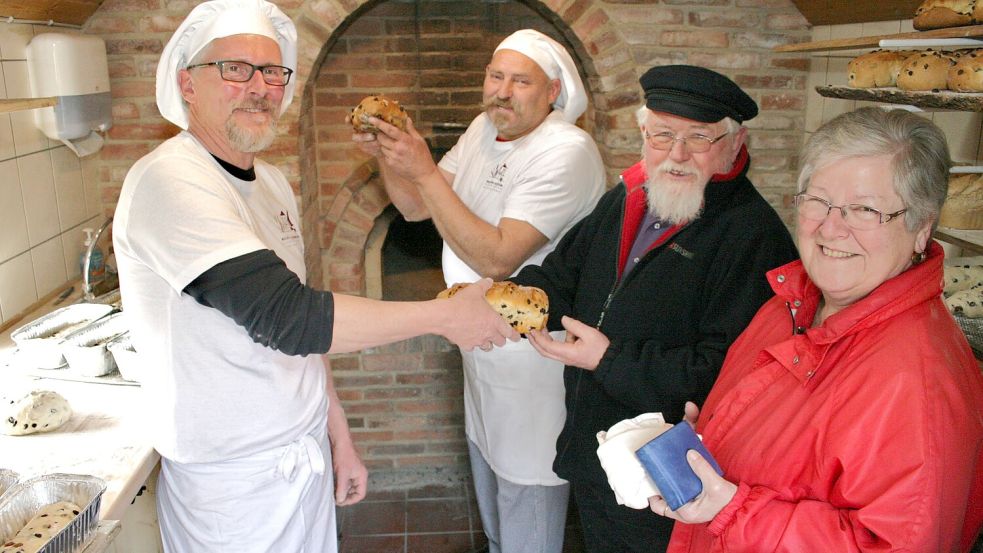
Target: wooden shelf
{"points": [[20, 104], [966, 239], [943, 99], [970, 31]]}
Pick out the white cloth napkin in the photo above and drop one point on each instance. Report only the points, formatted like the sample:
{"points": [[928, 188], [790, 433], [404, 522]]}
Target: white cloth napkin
{"points": [[616, 450]]}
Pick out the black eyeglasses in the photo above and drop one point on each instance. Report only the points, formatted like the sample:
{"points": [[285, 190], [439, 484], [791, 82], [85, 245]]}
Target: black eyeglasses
{"points": [[856, 216], [695, 143], [240, 71]]}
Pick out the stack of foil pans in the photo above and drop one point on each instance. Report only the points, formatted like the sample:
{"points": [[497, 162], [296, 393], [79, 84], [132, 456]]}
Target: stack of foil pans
{"points": [[7, 480], [39, 341]]}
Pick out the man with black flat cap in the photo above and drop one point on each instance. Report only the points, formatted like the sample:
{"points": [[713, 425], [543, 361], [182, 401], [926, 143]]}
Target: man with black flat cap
{"points": [[654, 285]]}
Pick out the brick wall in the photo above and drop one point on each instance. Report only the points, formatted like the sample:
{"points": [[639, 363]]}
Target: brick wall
{"points": [[404, 400]]}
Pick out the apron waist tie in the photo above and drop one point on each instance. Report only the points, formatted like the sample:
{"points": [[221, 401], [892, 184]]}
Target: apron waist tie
{"points": [[293, 454]]}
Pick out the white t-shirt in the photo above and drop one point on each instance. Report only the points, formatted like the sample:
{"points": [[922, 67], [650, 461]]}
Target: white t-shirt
{"points": [[212, 392], [550, 178]]}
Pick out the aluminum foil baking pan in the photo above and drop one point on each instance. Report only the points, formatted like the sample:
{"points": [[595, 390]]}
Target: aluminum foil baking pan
{"points": [[126, 357], [7, 480], [19, 505], [85, 349], [38, 341], [112, 298]]}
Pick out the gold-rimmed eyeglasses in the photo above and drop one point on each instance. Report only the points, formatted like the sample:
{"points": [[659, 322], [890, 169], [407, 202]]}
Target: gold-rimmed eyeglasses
{"points": [[241, 71], [695, 143], [856, 216]]}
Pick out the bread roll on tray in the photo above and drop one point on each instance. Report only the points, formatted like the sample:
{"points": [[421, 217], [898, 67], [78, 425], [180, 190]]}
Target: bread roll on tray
{"points": [[966, 75], [879, 68], [926, 71], [939, 14]]}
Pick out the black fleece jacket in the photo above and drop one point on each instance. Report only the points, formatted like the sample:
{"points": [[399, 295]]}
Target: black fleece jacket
{"points": [[672, 318]]}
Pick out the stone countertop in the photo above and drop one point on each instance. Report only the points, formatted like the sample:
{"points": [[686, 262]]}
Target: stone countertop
{"points": [[106, 436]]}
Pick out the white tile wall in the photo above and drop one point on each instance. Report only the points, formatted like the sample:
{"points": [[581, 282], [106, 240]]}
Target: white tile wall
{"points": [[45, 200]]}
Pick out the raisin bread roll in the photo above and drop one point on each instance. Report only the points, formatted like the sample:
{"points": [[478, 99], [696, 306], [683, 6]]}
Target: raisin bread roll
{"points": [[967, 303], [524, 307], [384, 108], [40, 529], [959, 278], [37, 411], [876, 69], [966, 75], [963, 207], [926, 71], [938, 14]]}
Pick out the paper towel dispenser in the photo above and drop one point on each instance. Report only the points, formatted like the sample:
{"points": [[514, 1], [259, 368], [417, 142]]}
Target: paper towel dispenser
{"points": [[73, 68]]}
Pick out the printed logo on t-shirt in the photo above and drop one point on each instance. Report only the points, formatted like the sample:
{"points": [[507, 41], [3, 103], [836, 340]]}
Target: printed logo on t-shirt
{"points": [[494, 180], [287, 228]]}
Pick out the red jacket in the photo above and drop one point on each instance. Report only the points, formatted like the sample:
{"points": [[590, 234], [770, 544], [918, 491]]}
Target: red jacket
{"points": [[862, 434]]}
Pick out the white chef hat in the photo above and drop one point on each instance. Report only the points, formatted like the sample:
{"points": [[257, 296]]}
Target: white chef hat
{"points": [[218, 19], [556, 62]]}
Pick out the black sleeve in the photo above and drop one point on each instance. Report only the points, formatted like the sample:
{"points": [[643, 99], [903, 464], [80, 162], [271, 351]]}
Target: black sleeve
{"points": [[262, 295]]}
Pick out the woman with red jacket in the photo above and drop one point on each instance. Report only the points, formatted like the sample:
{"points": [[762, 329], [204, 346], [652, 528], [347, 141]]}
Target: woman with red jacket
{"points": [[847, 417]]}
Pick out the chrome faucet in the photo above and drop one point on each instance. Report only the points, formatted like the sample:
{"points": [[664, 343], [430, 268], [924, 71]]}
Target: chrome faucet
{"points": [[87, 260]]}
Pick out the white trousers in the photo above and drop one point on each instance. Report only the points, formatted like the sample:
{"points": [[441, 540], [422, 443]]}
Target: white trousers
{"points": [[518, 518], [279, 500]]}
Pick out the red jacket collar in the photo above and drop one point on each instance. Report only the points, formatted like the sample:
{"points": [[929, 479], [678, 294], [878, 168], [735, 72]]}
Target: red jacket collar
{"points": [[917, 284]]}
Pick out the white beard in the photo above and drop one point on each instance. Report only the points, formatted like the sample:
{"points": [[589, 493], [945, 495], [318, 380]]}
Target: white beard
{"points": [[250, 142], [672, 201]]}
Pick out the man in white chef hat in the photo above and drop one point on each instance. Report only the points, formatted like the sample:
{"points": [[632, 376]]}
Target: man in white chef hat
{"points": [[211, 264], [515, 182]]}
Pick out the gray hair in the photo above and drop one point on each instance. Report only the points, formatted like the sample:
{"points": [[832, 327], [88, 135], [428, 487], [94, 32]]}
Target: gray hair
{"points": [[642, 112], [918, 149]]}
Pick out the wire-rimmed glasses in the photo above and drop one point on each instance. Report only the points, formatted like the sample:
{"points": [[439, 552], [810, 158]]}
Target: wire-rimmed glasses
{"points": [[856, 216]]}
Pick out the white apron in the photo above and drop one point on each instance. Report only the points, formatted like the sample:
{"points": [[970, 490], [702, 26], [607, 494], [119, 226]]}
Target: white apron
{"points": [[275, 501], [513, 401]]}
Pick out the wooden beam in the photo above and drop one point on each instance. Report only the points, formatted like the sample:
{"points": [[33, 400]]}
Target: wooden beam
{"points": [[20, 104], [836, 12], [970, 31], [72, 12]]}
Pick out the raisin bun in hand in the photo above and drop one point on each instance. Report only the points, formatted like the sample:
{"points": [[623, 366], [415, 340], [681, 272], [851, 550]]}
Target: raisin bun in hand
{"points": [[384, 108], [524, 307]]}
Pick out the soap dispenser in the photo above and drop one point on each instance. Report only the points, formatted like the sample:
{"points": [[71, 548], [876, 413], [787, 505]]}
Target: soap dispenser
{"points": [[97, 267]]}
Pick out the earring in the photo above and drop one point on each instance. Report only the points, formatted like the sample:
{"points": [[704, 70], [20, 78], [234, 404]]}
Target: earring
{"points": [[917, 258]]}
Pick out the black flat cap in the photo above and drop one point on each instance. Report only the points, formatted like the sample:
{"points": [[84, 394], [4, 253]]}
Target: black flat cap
{"points": [[696, 93]]}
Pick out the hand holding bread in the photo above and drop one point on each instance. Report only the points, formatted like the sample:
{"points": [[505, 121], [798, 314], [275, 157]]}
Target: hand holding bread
{"points": [[525, 308]]}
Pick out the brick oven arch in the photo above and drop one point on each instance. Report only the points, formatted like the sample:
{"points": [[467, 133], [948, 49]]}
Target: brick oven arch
{"points": [[341, 200]]}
